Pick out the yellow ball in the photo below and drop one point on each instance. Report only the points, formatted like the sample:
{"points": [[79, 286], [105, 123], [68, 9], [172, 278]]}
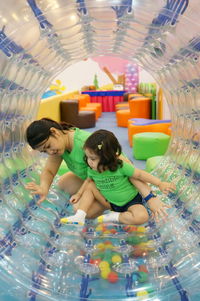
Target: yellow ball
{"points": [[116, 259], [142, 294], [109, 247], [106, 232], [99, 228], [105, 273], [104, 265], [101, 246], [100, 219], [141, 229]]}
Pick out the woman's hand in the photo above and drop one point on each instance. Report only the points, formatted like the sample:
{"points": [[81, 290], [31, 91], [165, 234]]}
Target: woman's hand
{"points": [[167, 187], [158, 208], [37, 189], [74, 198]]}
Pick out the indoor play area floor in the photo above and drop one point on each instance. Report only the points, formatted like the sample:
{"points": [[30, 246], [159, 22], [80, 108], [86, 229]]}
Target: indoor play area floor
{"points": [[108, 121]]}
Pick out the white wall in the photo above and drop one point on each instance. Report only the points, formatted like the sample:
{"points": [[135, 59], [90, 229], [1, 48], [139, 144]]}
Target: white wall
{"points": [[82, 74]]}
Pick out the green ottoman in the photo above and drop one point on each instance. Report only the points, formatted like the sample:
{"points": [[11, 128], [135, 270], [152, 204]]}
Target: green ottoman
{"points": [[152, 162], [149, 144]]}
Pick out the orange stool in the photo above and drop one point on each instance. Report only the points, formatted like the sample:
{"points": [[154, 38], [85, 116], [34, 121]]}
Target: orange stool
{"points": [[96, 105], [137, 125], [139, 108], [122, 117], [90, 109]]}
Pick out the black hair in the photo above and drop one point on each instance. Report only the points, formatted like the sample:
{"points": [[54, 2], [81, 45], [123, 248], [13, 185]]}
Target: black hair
{"points": [[105, 145], [40, 130]]}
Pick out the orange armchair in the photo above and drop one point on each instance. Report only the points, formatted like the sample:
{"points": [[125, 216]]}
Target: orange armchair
{"points": [[86, 105]]}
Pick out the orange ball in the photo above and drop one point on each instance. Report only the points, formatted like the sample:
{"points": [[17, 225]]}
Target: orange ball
{"points": [[139, 252], [130, 228], [107, 242]]}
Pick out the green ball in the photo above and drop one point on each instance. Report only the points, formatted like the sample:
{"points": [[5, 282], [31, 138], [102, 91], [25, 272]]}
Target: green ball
{"points": [[142, 277]]}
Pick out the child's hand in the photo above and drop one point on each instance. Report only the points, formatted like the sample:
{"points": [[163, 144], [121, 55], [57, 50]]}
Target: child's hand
{"points": [[74, 198], [167, 187], [158, 208]]}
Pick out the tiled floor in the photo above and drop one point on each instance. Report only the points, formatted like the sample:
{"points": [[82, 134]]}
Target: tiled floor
{"points": [[108, 121]]}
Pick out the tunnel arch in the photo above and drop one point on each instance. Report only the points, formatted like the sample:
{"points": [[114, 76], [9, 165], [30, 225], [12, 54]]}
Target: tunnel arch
{"points": [[38, 40]]}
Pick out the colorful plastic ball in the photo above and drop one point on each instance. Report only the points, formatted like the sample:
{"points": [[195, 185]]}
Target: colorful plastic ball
{"points": [[142, 268], [100, 246], [135, 240], [141, 229], [108, 256], [107, 242], [100, 228], [142, 277], [104, 265], [100, 255], [95, 261], [142, 294], [139, 252], [105, 273], [116, 259], [113, 231], [134, 277], [112, 277], [130, 228]]}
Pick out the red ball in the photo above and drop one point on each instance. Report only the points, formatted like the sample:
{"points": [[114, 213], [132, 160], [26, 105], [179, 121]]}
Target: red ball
{"points": [[143, 268], [97, 261], [107, 242], [112, 277]]}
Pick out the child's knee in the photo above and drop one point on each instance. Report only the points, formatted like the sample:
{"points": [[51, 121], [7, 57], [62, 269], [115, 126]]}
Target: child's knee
{"points": [[143, 216], [63, 180], [140, 215]]}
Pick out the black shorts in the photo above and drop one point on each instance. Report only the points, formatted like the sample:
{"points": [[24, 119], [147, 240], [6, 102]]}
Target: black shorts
{"points": [[137, 200]]}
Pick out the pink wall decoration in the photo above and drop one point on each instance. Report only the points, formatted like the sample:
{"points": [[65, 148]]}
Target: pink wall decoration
{"points": [[114, 64], [131, 77], [120, 66]]}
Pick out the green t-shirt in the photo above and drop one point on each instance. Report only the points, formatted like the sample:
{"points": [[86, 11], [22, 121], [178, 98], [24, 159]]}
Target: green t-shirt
{"points": [[115, 185], [75, 159]]}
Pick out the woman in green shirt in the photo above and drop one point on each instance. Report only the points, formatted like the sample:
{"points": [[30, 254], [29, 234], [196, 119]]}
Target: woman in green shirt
{"points": [[61, 141]]}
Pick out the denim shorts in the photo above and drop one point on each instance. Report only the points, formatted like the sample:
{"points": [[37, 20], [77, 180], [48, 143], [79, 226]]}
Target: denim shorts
{"points": [[137, 200]]}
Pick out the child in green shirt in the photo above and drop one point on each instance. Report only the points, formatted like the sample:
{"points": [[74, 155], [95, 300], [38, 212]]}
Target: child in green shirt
{"points": [[112, 182]]}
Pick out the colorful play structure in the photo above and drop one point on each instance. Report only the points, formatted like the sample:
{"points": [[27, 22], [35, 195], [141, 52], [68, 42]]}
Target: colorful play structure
{"points": [[42, 260]]}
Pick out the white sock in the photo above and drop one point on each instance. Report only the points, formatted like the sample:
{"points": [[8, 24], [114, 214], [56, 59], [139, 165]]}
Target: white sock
{"points": [[79, 218], [109, 217]]}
